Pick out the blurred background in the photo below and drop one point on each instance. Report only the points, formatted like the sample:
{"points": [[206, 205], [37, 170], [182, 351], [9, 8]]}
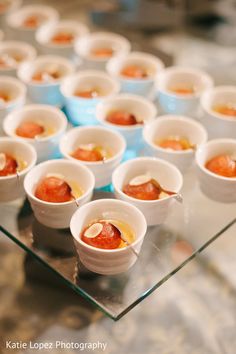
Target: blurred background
{"points": [[195, 311]]}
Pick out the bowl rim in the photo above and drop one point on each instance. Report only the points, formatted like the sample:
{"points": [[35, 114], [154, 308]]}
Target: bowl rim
{"points": [[98, 36], [114, 201], [89, 73], [28, 146], [119, 154], [204, 169], [125, 97], [173, 117], [10, 19], [60, 161], [41, 59], [14, 82], [148, 159], [160, 66], [209, 93], [36, 107], [183, 69], [80, 26]]}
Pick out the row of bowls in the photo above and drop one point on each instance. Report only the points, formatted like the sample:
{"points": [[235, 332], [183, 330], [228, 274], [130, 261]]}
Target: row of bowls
{"points": [[81, 111]]}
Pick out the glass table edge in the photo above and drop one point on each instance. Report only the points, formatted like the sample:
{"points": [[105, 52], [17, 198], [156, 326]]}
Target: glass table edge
{"points": [[144, 295]]}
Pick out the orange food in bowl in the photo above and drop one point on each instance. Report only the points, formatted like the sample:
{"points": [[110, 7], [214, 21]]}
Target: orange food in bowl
{"points": [[176, 144], [222, 165], [4, 97], [43, 76], [29, 130], [87, 155], [63, 38], [9, 167], [121, 118], [93, 93], [102, 52], [226, 110], [134, 72], [108, 238], [144, 191], [182, 90], [32, 21], [54, 190]]}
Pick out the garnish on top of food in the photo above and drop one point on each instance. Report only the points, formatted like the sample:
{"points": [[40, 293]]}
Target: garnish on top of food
{"points": [[108, 234], [223, 165], [91, 152], [145, 187], [50, 74], [89, 93]]}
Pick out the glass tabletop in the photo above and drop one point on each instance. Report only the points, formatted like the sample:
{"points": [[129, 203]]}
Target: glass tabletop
{"points": [[189, 229]]}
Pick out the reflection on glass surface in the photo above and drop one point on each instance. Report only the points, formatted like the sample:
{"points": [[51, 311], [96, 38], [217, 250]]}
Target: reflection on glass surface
{"points": [[190, 228]]}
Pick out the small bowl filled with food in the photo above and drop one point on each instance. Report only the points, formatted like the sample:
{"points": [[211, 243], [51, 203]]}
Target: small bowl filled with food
{"points": [[95, 49], [56, 188], [24, 22], [150, 184], [40, 125], [12, 96], [175, 139], [58, 38], [16, 159], [219, 111], [216, 168], [136, 71], [108, 235], [12, 54], [179, 89], [83, 91], [43, 77], [127, 114], [98, 148]]}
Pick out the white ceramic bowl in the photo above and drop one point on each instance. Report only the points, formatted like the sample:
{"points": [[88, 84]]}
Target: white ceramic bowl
{"points": [[81, 111], [100, 136], [13, 6], [47, 147], [23, 49], [46, 92], [216, 187], [181, 103], [47, 31], [169, 177], [134, 104], [17, 91], [105, 261], [15, 20], [58, 215], [218, 125], [143, 87], [11, 187], [98, 40], [173, 125]]}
